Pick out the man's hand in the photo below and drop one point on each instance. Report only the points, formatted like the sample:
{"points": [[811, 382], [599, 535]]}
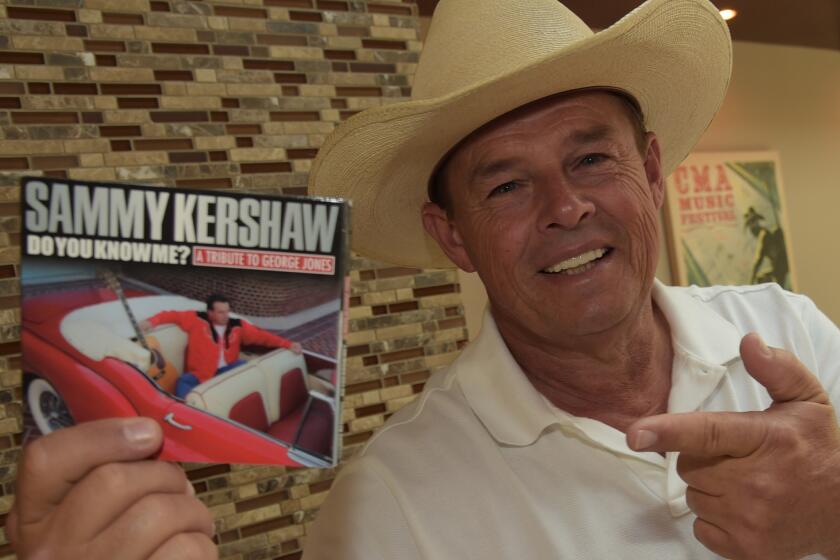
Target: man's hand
{"points": [[762, 484], [296, 347], [145, 325], [86, 492]]}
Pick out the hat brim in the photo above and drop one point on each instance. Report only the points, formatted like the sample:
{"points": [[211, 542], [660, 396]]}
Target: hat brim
{"points": [[673, 56]]}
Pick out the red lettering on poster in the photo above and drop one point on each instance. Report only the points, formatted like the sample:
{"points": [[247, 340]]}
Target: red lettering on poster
{"points": [[704, 195]]}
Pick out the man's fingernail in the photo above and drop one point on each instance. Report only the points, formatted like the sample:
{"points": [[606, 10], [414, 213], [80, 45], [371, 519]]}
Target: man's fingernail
{"points": [[139, 431], [190, 489], [644, 439], [762, 346]]}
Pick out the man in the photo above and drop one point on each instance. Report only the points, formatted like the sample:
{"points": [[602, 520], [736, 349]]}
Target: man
{"points": [[770, 245], [553, 435], [518, 449], [214, 340]]}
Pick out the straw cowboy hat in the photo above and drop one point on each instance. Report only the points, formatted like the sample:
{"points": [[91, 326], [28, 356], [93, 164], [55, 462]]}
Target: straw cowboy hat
{"points": [[483, 58]]}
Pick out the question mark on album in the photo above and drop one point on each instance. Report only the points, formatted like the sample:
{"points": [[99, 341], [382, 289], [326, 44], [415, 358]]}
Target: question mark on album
{"points": [[185, 253]]}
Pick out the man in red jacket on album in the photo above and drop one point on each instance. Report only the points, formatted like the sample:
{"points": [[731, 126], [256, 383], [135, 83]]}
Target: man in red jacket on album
{"points": [[214, 340]]}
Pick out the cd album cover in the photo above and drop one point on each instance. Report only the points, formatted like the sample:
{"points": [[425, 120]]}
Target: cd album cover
{"points": [[219, 315]]}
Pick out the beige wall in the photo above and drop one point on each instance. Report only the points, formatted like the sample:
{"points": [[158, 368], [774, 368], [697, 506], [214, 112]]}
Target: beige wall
{"points": [[788, 99], [785, 99]]}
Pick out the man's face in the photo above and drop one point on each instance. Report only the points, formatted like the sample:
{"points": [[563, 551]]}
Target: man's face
{"points": [[556, 210], [219, 314]]}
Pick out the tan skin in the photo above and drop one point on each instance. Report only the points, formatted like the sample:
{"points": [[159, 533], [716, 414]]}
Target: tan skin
{"points": [[564, 176], [540, 187]]}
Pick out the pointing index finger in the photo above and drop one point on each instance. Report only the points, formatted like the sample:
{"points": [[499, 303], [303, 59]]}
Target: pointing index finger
{"points": [[53, 464], [706, 434]]}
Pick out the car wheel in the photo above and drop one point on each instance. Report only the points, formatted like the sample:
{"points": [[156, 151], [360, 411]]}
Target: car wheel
{"points": [[48, 409]]}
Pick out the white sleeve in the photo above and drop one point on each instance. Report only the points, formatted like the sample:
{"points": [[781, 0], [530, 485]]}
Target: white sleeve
{"points": [[360, 520]]}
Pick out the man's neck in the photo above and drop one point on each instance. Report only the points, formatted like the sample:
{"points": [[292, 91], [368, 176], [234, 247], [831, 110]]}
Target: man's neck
{"points": [[615, 377]]}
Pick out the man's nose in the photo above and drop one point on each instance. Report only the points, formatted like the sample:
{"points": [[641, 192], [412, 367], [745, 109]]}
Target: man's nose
{"points": [[563, 205]]}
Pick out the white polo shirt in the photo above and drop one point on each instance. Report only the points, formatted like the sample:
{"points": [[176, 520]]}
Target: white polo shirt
{"points": [[482, 466]]}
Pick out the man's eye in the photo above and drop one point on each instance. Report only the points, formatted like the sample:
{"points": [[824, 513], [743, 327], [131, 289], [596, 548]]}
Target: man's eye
{"points": [[504, 188], [592, 159]]}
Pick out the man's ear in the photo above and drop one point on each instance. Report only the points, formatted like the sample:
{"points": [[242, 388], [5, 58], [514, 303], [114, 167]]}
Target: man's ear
{"points": [[443, 230], [653, 170]]}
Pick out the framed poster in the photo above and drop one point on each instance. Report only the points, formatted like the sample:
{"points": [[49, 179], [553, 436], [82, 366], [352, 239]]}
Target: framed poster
{"points": [[726, 222]]}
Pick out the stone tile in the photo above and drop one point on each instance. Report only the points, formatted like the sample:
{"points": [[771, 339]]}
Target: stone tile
{"points": [[164, 19], [392, 33], [191, 8], [105, 102], [282, 27], [132, 75], [248, 115], [354, 19], [89, 16], [257, 154], [245, 76], [252, 89], [46, 73], [295, 53], [247, 24], [214, 143], [92, 145], [120, 159], [206, 88], [92, 160], [9, 316], [190, 130], [190, 103], [168, 34], [399, 331], [25, 42], [9, 333], [217, 23], [28, 147], [93, 174], [141, 173], [43, 102], [111, 32], [47, 132], [118, 5], [31, 27]]}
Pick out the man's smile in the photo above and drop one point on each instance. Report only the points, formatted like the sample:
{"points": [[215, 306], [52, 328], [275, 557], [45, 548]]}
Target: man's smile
{"points": [[579, 263]]}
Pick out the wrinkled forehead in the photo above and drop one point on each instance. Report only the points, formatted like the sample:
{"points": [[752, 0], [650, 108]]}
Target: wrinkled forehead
{"points": [[625, 103], [541, 107]]}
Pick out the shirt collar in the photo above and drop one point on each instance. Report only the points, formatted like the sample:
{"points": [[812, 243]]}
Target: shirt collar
{"points": [[697, 330], [515, 413]]}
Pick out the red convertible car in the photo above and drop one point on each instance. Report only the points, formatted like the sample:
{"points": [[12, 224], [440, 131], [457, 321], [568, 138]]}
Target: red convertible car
{"points": [[82, 362]]}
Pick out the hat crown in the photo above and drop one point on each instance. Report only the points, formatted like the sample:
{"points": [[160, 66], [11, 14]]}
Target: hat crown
{"points": [[471, 41]]}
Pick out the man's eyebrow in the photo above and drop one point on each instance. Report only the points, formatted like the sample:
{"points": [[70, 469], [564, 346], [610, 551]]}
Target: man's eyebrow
{"points": [[581, 136], [593, 134], [491, 168]]}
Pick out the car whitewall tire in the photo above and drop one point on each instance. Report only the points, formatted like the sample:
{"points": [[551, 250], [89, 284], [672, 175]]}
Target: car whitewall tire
{"points": [[48, 409]]}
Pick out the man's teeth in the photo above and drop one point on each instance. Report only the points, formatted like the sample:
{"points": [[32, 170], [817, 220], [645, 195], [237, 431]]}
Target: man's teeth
{"points": [[578, 264]]}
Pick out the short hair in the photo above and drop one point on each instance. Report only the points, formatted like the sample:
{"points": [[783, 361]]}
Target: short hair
{"points": [[439, 193], [213, 299]]}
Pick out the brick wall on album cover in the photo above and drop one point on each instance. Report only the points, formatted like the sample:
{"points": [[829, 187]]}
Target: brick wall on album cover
{"points": [[228, 94]]}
